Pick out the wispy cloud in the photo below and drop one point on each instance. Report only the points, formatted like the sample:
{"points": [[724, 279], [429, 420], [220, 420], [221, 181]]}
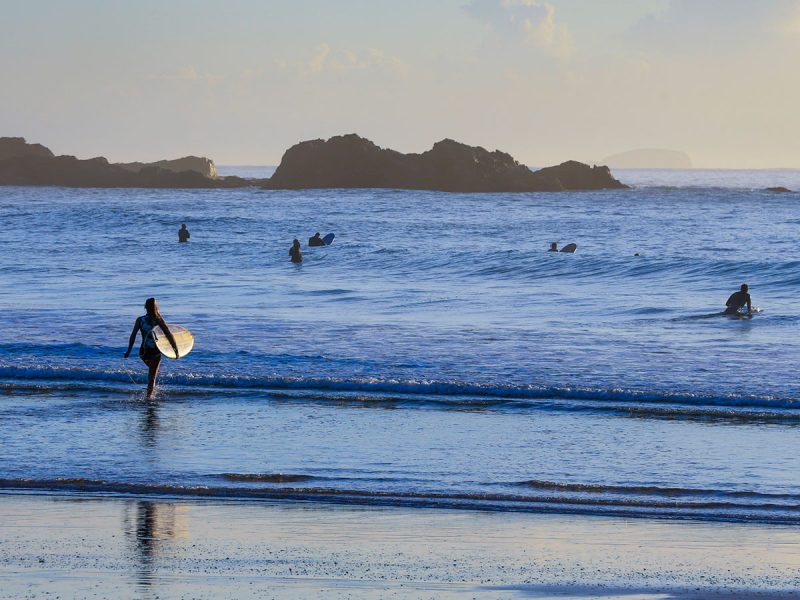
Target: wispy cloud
{"points": [[327, 59], [189, 73], [525, 23], [686, 26]]}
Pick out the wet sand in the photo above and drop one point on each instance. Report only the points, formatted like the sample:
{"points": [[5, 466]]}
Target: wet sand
{"points": [[68, 547]]}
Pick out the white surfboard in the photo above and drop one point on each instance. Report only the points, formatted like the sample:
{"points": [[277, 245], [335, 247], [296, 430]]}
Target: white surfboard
{"points": [[183, 339]]}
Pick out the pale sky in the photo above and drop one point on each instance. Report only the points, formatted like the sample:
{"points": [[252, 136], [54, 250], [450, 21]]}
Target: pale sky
{"points": [[240, 81]]}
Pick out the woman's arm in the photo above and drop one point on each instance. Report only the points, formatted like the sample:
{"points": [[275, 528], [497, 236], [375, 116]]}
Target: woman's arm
{"points": [[168, 333], [132, 339]]}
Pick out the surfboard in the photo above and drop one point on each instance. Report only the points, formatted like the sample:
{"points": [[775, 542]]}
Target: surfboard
{"points": [[569, 248], [328, 239], [183, 339]]}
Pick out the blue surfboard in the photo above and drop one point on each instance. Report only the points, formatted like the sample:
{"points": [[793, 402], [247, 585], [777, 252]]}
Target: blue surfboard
{"points": [[328, 239]]}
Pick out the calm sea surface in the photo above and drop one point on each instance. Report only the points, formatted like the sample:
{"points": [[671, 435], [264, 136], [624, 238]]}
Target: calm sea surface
{"points": [[435, 355]]}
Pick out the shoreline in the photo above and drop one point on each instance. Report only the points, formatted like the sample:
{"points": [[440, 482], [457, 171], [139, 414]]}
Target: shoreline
{"points": [[145, 547]]}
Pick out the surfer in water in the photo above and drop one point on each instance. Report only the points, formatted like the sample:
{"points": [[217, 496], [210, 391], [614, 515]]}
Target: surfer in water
{"points": [[183, 234], [739, 300], [315, 240], [553, 247], [294, 252], [148, 351]]}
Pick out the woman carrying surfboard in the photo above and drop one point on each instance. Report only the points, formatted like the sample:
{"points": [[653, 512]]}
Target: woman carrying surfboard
{"points": [[148, 351]]}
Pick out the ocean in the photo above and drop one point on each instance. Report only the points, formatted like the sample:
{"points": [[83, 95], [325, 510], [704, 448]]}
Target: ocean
{"points": [[436, 355]]}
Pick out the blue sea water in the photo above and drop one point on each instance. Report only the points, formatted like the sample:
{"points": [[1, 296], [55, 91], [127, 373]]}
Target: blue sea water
{"points": [[435, 355]]}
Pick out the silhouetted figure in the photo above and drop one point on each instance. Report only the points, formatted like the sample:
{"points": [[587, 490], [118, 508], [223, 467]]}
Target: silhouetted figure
{"points": [[294, 252], [183, 233], [148, 351], [553, 247], [315, 240], [738, 300], [570, 248]]}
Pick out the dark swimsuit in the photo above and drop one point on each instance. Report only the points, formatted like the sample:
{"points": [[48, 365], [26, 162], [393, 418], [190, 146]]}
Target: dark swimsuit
{"points": [[148, 351]]}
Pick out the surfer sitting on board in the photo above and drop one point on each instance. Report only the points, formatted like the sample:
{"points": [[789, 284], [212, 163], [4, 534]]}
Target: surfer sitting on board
{"points": [[294, 252], [315, 240], [148, 351], [738, 300]]}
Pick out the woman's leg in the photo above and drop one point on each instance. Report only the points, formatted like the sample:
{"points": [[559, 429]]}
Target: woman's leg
{"points": [[153, 365]]}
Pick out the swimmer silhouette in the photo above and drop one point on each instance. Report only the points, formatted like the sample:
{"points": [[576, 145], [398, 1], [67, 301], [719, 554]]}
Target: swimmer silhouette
{"points": [[553, 247], [183, 234], [315, 240], [294, 252], [148, 351]]}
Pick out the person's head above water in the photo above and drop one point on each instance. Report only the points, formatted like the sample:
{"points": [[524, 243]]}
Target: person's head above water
{"points": [[183, 225], [744, 287], [151, 306], [553, 245], [316, 234], [296, 242]]}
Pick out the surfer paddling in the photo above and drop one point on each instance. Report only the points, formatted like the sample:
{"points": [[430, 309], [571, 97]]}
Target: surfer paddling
{"points": [[148, 351], [738, 300]]}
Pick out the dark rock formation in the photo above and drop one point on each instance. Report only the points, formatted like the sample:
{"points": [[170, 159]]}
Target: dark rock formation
{"points": [[350, 161], [574, 175], [779, 190], [33, 164], [12, 147], [200, 164]]}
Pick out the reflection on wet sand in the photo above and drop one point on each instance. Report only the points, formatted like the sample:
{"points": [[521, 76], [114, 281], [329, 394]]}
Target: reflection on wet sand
{"points": [[149, 526], [149, 425]]}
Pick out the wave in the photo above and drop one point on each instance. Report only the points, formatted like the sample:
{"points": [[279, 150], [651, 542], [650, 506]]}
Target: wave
{"points": [[423, 392], [267, 477], [671, 508], [651, 490], [774, 271]]}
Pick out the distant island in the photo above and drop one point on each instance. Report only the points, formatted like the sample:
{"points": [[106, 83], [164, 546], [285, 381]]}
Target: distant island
{"points": [[347, 161], [649, 158]]}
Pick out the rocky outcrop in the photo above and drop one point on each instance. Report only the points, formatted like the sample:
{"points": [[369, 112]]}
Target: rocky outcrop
{"points": [[350, 161], [574, 175], [347, 161], [199, 164], [778, 190], [649, 158], [13, 147], [34, 164]]}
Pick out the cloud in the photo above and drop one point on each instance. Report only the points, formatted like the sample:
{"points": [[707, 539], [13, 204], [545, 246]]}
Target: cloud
{"points": [[326, 59], [685, 26], [189, 73], [525, 23]]}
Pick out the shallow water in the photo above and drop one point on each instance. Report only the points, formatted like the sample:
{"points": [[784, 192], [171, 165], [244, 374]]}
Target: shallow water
{"points": [[435, 354]]}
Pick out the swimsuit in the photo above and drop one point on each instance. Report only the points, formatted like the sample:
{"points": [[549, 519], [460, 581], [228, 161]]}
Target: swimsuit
{"points": [[148, 350]]}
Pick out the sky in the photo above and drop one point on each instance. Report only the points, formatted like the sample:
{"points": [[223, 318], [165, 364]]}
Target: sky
{"points": [[240, 81]]}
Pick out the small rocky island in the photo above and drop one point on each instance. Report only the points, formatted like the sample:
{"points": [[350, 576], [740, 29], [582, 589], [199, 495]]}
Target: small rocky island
{"points": [[22, 163], [350, 161], [347, 161]]}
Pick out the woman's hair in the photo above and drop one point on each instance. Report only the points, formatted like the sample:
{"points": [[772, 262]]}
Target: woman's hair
{"points": [[151, 307]]}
